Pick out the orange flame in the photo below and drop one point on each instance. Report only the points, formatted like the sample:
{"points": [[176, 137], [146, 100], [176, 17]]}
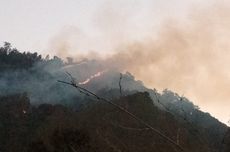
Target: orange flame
{"points": [[98, 74]]}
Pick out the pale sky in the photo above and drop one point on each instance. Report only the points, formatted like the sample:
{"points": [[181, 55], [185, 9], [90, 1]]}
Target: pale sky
{"points": [[101, 25], [32, 24]]}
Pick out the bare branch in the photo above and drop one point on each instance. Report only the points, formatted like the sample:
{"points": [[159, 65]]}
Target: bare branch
{"points": [[178, 136], [73, 80], [184, 118], [120, 84], [72, 149], [85, 91]]}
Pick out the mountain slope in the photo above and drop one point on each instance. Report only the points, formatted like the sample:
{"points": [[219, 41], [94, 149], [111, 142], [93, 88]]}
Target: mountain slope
{"points": [[96, 127], [28, 122]]}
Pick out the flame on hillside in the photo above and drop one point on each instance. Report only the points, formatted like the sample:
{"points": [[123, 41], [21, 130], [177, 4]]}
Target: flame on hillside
{"points": [[188, 56], [98, 74]]}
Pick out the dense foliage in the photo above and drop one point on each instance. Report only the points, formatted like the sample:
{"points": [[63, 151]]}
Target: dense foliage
{"points": [[30, 120], [13, 59], [98, 127]]}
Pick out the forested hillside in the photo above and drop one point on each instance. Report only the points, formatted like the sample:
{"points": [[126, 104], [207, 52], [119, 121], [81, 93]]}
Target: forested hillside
{"points": [[97, 127], [37, 113]]}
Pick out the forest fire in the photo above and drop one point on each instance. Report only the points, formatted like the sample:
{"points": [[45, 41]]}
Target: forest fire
{"points": [[98, 74]]}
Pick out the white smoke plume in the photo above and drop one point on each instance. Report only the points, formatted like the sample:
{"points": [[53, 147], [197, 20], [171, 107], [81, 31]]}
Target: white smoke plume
{"points": [[190, 56]]}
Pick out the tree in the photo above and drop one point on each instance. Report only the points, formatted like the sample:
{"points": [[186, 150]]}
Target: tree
{"points": [[7, 46]]}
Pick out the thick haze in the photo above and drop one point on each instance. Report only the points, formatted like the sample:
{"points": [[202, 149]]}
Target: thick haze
{"points": [[183, 46]]}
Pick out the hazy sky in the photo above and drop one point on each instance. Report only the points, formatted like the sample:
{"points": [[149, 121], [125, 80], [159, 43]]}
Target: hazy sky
{"points": [[103, 25], [32, 24]]}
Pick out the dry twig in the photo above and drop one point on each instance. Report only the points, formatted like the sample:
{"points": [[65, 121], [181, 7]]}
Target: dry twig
{"points": [[120, 84], [89, 93]]}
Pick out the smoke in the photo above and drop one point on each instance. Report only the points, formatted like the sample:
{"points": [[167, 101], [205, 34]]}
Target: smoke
{"points": [[188, 55]]}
